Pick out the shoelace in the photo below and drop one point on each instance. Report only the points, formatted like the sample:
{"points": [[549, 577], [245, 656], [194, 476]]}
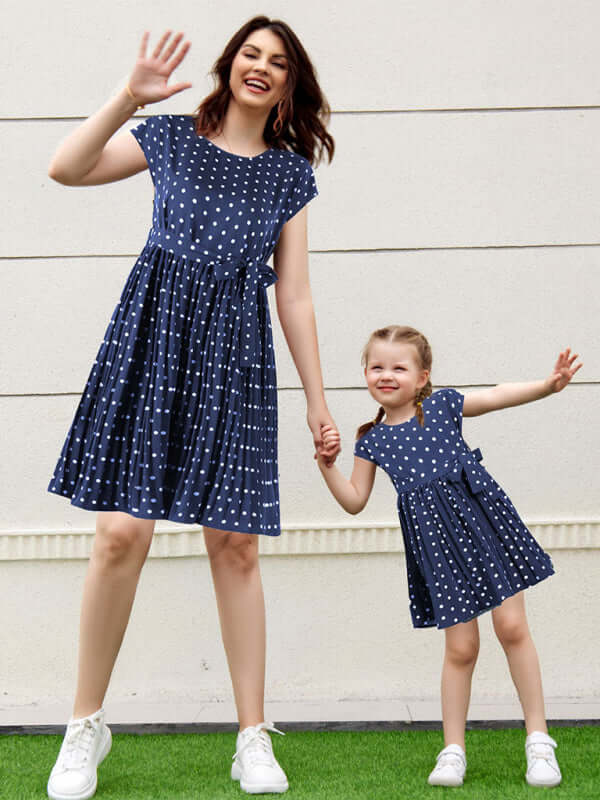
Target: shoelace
{"points": [[542, 752], [450, 760], [258, 744], [78, 742]]}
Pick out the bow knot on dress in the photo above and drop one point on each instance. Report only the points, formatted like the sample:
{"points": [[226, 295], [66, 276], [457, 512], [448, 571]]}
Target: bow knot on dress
{"points": [[467, 468], [254, 273]]}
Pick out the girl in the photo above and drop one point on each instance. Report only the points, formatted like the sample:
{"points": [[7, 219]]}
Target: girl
{"points": [[178, 419], [467, 550]]}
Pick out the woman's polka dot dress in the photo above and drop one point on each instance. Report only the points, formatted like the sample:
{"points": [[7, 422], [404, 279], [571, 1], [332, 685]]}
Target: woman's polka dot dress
{"points": [[178, 419], [467, 549]]}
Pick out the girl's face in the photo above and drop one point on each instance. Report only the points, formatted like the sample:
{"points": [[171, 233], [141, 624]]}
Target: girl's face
{"points": [[259, 71], [394, 373]]}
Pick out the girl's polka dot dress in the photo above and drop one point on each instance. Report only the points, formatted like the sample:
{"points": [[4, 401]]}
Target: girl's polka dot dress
{"points": [[178, 419], [467, 549]]}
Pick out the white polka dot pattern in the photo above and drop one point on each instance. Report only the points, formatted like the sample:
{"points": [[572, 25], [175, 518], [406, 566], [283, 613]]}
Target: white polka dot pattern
{"points": [[467, 549], [178, 418]]}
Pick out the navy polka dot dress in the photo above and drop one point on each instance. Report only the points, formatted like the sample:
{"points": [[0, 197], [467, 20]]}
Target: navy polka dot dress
{"points": [[178, 419], [467, 549]]}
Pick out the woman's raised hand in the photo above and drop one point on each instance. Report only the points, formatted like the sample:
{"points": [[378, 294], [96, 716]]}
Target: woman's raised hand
{"points": [[564, 369], [148, 81]]}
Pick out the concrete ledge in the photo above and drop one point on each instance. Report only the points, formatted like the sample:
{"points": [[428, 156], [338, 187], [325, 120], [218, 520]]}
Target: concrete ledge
{"points": [[171, 541], [381, 714], [230, 727]]}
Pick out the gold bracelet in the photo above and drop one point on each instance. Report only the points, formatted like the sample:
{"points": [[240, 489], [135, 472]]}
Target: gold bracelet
{"points": [[133, 97]]}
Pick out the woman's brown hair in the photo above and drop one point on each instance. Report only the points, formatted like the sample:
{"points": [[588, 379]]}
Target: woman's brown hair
{"points": [[298, 121], [400, 333]]}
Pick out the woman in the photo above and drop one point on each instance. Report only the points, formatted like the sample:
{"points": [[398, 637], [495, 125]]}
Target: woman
{"points": [[178, 419]]}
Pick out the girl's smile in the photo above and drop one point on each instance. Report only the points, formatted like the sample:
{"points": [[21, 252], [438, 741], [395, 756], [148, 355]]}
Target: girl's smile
{"points": [[394, 376]]}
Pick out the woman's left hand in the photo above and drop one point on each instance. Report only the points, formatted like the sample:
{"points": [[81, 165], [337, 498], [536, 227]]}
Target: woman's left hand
{"points": [[317, 419]]}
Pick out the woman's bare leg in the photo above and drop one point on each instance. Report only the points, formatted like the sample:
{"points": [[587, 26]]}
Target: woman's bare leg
{"points": [[462, 649], [240, 601], [512, 630], [120, 549]]}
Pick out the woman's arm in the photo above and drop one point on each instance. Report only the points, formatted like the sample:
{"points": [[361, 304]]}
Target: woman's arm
{"points": [[515, 394], [297, 317], [87, 157], [351, 494]]}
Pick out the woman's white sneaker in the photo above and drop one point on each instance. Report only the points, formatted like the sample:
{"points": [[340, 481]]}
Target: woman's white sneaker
{"points": [[450, 767], [542, 766], [86, 744], [254, 764]]}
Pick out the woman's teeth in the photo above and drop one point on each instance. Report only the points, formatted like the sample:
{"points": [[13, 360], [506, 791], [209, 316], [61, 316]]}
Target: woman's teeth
{"points": [[257, 84]]}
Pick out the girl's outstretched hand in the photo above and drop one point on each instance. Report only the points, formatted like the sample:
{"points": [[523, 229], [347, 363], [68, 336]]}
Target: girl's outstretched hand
{"points": [[148, 81], [564, 369]]}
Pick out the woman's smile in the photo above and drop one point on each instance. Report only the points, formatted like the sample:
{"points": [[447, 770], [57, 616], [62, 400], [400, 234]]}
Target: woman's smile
{"points": [[257, 85]]}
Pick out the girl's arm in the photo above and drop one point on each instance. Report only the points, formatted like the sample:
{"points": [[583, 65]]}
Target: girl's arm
{"points": [[351, 494], [297, 317], [515, 394], [87, 157]]}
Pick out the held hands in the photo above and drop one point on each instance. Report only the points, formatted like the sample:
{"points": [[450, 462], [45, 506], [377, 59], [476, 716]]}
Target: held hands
{"points": [[563, 371], [331, 445], [327, 446], [148, 81]]}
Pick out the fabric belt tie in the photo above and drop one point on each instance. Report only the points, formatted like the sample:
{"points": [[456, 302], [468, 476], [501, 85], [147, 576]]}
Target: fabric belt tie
{"points": [[257, 275], [467, 464]]}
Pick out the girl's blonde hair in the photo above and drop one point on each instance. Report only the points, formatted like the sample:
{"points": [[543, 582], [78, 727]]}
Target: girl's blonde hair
{"points": [[400, 333]]}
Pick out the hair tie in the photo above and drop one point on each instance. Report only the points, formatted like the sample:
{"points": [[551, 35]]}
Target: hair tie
{"points": [[420, 403]]}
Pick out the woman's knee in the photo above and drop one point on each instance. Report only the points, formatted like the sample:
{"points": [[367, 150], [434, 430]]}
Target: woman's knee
{"points": [[121, 538], [238, 551], [462, 651], [511, 629]]}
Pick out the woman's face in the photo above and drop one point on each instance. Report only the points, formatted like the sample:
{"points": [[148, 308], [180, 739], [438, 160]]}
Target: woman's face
{"points": [[259, 71]]}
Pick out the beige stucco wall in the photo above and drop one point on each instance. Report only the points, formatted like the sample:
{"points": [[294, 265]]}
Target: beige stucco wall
{"points": [[463, 199]]}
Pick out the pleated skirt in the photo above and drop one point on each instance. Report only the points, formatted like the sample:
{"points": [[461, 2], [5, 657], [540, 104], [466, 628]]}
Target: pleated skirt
{"points": [[170, 425], [466, 552]]}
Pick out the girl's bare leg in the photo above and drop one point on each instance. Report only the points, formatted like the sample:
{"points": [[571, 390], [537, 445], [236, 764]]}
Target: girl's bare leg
{"points": [[120, 549], [462, 649], [238, 587], [512, 630]]}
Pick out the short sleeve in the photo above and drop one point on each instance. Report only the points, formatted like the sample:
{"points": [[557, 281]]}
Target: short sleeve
{"points": [[454, 400], [151, 135], [305, 189], [363, 450]]}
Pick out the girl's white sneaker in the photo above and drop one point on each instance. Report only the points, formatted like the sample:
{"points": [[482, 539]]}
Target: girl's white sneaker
{"points": [[450, 767], [86, 744], [254, 764], [542, 766]]}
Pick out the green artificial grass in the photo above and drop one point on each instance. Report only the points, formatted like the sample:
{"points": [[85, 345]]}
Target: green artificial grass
{"points": [[345, 766]]}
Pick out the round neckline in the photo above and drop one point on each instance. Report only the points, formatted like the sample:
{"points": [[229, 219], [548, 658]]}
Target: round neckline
{"points": [[227, 153], [398, 424], [406, 421]]}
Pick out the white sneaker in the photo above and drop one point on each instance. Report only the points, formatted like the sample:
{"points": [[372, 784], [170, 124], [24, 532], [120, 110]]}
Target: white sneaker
{"points": [[542, 766], [254, 764], [86, 744], [450, 767]]}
